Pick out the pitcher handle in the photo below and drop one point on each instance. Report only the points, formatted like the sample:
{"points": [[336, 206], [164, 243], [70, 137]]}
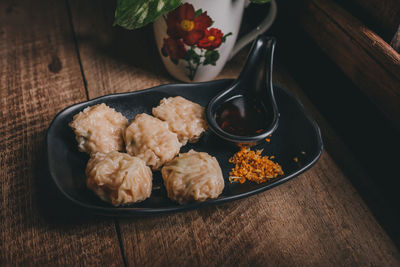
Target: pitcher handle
{"points": [[261, 28]]}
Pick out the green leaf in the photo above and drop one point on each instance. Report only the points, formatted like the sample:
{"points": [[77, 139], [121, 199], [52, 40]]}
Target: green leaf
{"points": [[133, 14], [211, 57], [224, 37], [260, 1], [191, 55], [198, 12]]}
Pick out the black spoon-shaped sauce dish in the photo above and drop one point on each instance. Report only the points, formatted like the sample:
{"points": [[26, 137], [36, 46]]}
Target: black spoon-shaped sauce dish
{"points": [[246, 112]]}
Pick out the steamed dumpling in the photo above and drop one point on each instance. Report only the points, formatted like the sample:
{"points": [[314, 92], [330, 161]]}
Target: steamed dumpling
{"points": [[193, 176], [151, 140], [119, 178], [185, 118], [99, 128]]}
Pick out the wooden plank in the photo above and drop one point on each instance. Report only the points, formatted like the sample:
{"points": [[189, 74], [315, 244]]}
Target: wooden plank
{"points": [[317, 218], [366, 59], [39, 76], [368, 40], [384, 13]]}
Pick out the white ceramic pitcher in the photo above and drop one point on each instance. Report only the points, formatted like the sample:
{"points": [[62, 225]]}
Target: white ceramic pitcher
{"points": [[199, 37]]}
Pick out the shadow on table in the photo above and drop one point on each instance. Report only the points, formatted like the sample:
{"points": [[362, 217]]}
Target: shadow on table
{"points": [[52, 205], [135, 49], [99, 42]]}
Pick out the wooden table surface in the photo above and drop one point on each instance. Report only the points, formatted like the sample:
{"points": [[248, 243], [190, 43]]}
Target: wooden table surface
{"points": [[56, 53]]}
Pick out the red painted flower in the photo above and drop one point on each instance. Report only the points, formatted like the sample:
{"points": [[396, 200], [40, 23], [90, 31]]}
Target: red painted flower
{"points": [[173, 48], [183, 23], [212, 39]]}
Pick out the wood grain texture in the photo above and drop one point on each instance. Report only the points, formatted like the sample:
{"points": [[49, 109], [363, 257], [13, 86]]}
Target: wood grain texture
{"points": [[317, 218], [368, 40], [371, 63], [39, 76], [384, 13]]}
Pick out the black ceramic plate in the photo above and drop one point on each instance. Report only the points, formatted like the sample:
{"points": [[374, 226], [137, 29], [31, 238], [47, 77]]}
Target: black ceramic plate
{"points": [[297, 136]]}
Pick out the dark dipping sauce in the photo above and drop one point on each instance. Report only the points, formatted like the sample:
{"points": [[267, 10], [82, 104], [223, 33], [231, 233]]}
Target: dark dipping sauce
{"points": [[242, 117]]}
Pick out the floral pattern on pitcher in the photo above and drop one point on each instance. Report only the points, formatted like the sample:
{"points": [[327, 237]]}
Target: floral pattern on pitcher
{"points": [[191, 39]]}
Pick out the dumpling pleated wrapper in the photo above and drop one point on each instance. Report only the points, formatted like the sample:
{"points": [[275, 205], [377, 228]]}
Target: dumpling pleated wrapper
{"points": [[193, 176], [185, 118], [99, 128], [151, 140], [119, 178]]}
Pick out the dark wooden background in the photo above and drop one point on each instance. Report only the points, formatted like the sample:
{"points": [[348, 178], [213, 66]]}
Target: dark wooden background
{"points": [[57, 53]]}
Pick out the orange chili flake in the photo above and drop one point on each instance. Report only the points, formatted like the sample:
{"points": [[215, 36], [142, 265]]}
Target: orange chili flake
{"points": [[250, 165], [295, 159], [267, 140]]}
